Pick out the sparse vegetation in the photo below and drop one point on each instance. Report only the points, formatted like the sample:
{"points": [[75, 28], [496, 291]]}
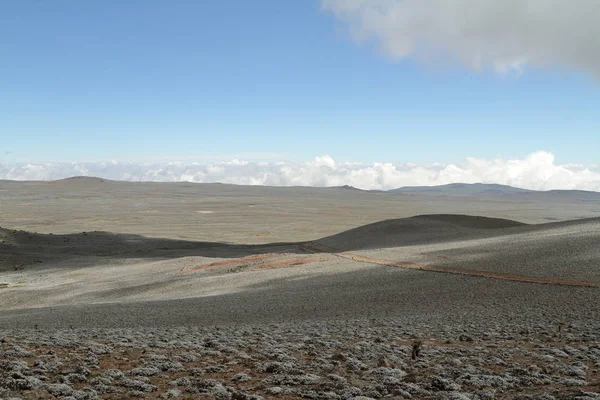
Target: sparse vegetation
{"points": [[289, 361], [416, 349]]}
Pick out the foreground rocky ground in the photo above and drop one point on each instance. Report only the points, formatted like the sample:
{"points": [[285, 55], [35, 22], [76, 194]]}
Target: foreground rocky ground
{"points": [[356, 359]]}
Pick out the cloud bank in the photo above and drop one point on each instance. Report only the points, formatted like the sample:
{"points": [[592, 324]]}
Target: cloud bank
{"points": [[500, 34], [537, 171]]}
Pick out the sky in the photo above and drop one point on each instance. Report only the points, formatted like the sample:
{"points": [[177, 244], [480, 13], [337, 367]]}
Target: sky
{"points": [[374, 93]]}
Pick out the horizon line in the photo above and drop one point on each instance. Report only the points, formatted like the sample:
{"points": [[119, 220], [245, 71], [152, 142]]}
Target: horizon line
{"points": [[347, 187]]}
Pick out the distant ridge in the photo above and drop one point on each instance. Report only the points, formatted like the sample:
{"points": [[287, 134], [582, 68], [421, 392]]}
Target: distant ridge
{"points": [[463, 189], [451, 189], [346, 187], [82, 179], [496, 190]]}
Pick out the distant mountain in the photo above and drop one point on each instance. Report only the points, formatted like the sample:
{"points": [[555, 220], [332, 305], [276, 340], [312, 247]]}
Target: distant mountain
{"points": [[346, 187], [494, 190], [463, 189], [82, 179]]}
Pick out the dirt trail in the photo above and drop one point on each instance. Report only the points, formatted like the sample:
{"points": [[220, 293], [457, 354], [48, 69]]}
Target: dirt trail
{"points": [[235, 261], [450, 270], [259, 261], [274, 261]]}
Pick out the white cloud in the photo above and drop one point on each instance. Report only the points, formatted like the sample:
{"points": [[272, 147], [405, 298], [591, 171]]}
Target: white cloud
{"points": [[536, 171], [503, 35]]}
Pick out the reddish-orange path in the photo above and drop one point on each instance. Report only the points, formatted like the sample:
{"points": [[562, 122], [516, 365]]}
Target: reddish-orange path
{"points": [[450, 270], [259, 261], [264, 262]]}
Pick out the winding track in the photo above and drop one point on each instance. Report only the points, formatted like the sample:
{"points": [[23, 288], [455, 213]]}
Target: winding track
{"points": [[450, 270]]}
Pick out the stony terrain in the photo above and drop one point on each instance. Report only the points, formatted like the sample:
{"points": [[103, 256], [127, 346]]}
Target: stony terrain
{"points": [[357, 359], [112, 290]]}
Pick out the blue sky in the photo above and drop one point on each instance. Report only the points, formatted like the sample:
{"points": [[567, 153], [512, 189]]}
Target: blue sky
{"points": [[158, 80]]}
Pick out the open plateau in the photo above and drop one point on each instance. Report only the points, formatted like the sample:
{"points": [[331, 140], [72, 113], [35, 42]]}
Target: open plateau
{"points": [[118, 290]]}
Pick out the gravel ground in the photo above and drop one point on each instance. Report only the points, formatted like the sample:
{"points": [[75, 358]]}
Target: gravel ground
{"points": [[43, 270], [378, 291]]}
